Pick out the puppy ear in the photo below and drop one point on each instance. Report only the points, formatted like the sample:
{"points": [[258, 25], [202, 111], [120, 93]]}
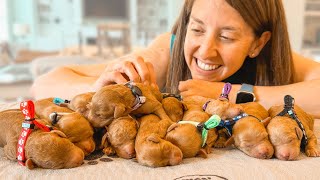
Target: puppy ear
{"points": [[229, 142], [104, 141], [266, 121], [154, 138], [298, 133], [202, 153], [172, 127], [184, 106], [10, 150], [119, 111], [30, 164], [60, 133]]}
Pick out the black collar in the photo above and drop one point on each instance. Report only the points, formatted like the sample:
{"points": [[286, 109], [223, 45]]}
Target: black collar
{"points": [[289, 109], [136, 91]]}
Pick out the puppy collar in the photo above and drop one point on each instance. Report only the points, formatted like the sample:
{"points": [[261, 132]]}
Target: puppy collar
{"points": [[27, 109], [225, 92], [59, 101], [55, 117], [203, 128], [228, 123], [136, 91], [177, 96], [289, 109]]}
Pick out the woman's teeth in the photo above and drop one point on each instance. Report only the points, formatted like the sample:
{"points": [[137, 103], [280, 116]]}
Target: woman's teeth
{"points": [[206, 67]]}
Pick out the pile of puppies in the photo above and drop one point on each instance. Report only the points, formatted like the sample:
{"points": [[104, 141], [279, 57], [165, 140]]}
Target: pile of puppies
{"points": [[138, 121]]}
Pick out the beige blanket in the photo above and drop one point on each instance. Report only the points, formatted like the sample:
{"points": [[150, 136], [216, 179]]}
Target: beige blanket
{"points": [[221, 164]]}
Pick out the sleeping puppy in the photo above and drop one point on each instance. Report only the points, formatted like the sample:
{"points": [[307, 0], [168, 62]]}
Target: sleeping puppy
{"points": [[151, 149], [74, 125], [50, 150], [79, 103], [287, 137], [174, 108], [120, 137], [114, 101], [187, 137], [249, 133]]}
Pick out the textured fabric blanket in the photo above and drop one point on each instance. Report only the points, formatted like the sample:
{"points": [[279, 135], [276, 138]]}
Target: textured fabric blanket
{"points": [[221, 164]]}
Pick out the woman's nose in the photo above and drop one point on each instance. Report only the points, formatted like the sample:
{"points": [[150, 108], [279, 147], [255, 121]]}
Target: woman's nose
{"points": [[208, 48]]}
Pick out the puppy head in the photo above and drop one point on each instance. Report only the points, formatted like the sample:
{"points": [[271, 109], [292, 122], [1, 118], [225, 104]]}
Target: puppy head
{"points": [[251, 137], [105, 107], [49, 150], [156, 152], [224, 109], [186, 137], [255, 109], [78, 131], [121, 135], [285, 135], [174, 108], [79, 103]]}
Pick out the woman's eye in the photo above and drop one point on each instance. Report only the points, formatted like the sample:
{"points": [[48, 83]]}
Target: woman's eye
{"points": [[226, 38], [196, 30]]}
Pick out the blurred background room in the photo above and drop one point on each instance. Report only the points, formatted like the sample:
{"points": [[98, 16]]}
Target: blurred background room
{"points": [[38, 35]]}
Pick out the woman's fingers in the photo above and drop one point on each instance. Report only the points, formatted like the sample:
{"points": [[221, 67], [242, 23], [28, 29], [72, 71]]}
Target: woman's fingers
{"points": [[142, 69], [136, 70]]}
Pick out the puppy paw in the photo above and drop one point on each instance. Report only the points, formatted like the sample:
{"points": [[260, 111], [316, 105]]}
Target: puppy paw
{"points": [[312, 152], [219, 144], [109, 151]]}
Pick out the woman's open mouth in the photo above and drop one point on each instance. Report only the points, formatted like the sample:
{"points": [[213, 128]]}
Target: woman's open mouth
{"points": [[207, 67]]}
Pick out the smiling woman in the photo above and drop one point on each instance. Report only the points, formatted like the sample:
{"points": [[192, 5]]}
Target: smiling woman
{"points": [[216, 41]]}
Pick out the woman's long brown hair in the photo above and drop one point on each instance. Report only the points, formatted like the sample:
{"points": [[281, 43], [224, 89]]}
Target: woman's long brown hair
{"points": [[274, 63]]}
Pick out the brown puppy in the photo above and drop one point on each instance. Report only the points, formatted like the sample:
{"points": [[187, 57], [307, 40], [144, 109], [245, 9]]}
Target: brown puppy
{"points": [[43, 149], [121, 135], [73, 124], [79, 103], [174, 108], [187, 137], [286, 136], [249, 133], [151, 149], [114, 101]]}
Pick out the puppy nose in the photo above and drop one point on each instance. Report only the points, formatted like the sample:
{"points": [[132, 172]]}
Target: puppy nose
{"points": [[285, 156]]}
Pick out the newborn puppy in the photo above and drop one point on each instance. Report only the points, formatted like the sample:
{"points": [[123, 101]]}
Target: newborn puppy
{"points": [[151, 149], [73, 124], [114, 101], [174, 108], [286, 135], [249, 133], [121, 135], [187, 137], [43, 149], [79, 103]]}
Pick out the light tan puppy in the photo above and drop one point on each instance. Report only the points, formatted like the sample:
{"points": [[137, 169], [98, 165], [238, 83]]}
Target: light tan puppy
{"points": [[43, 149], [151, 149], [286, 136], [187, 137], [73, 124], [114, 101], [249, 133], [120, 137]]}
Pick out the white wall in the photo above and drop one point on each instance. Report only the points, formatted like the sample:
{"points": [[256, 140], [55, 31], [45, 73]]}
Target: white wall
{"points": [[295, 20], [3, 21]]}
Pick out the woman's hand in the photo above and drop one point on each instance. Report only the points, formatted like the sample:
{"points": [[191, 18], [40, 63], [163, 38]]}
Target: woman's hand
{"points": [[203, 88], [127, 68]]}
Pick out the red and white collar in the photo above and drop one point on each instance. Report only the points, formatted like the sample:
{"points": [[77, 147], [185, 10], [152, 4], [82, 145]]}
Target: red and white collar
{"points": [[27, 109]]}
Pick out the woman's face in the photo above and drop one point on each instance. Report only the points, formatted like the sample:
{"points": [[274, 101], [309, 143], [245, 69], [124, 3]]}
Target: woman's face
{"points": [[217, 41]]}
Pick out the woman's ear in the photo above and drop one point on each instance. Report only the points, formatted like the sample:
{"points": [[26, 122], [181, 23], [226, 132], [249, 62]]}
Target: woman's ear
{"points": [[259, 43]]}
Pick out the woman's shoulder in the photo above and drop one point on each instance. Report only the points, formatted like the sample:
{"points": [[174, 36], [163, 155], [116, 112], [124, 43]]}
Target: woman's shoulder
{"points": [[162, 41]]}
